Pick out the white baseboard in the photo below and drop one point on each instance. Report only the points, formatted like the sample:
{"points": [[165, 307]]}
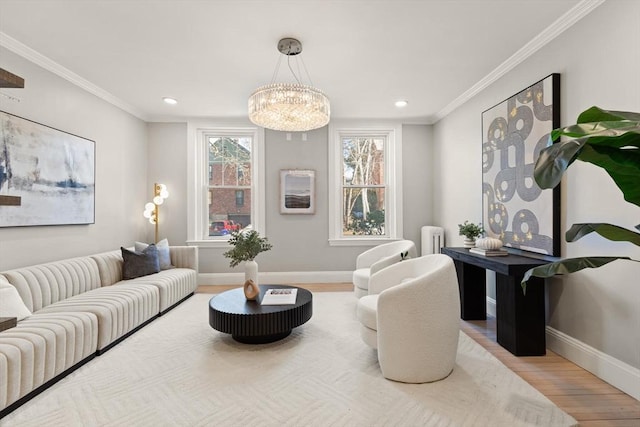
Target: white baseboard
{"points": [[617, 373], [283, 278], [491, 307]]}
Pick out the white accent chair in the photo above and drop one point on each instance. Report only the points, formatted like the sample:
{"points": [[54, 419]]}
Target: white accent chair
{"points": [[377, 258], [412, 317]]}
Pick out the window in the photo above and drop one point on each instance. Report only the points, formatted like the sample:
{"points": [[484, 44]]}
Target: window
{"points": [[230, 194], [239, 198], [229, 175], [363, 185], [366, 176]]}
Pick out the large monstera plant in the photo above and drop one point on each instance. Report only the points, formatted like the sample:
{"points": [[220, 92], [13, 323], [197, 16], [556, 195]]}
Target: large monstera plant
{"points": [[610, 140]]}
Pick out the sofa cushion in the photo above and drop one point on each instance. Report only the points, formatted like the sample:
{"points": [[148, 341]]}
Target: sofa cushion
{"points": [[174, 285], [137, 264], [11, 305], [44, 284], [76, 335], [110, 266], [119, 309], [22, 362], [164, 256]]}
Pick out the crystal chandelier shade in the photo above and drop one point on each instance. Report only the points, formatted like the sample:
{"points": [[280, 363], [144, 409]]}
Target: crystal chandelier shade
{"points": [[289, 107]]}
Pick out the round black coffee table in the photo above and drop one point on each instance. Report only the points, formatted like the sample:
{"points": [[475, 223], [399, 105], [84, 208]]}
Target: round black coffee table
{"points": [[251, 323]]}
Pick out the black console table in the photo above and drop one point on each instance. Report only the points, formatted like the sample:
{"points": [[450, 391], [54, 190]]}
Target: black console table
{"points": [[520, 318]]}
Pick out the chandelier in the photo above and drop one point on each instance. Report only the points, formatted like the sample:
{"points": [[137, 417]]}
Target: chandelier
{"points": [[290, 107]]}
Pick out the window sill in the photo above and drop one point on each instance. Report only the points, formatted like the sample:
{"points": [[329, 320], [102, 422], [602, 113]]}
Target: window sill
{"points": [[374, 241], [222, 243]]}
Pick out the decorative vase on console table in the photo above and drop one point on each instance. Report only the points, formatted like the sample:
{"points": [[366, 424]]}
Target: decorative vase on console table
{"points": [[469, 242], [489, 243], [470, 231]]}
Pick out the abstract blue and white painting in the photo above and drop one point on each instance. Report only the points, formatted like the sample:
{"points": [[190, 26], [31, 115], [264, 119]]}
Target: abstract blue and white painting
{"points": [[47, 177]]}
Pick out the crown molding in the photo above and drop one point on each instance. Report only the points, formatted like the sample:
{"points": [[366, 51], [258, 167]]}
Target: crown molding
{"points": [[50, 65], [556, 28]]}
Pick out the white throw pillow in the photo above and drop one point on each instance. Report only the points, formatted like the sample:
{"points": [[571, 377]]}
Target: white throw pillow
{"points": [[163, 252], [11, 305]]}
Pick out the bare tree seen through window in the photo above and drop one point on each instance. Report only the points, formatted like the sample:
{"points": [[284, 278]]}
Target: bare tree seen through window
{"points": [[363, 186]]}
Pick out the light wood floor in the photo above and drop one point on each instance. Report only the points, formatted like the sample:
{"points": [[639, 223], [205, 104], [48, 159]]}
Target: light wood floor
{"points": [[588, 399]]}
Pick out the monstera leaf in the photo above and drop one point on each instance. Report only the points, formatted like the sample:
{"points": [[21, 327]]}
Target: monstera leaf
{"points": [[607, 139], [569, 265], [608, 231]]}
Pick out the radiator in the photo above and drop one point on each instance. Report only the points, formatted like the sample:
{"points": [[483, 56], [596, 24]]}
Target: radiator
{"points": [[432, 239]]}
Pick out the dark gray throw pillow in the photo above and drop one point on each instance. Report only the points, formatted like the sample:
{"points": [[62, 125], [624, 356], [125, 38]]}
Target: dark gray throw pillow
{"points": [[164, 256], [137, 264]]}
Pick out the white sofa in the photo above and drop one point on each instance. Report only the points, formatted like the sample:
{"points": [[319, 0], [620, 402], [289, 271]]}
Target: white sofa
{"points": [[77, 309]]}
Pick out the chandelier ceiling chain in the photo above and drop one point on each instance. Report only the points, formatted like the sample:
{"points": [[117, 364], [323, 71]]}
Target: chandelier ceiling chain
{"points": [[291, 107]]}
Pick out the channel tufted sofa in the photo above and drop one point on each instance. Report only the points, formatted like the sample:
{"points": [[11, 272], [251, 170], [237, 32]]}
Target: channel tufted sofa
{"points": [[77, 309]]}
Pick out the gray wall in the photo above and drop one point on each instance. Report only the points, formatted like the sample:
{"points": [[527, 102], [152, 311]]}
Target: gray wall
{"points": [[121, 167], [300, 242], [599, 65], [167, 164]]}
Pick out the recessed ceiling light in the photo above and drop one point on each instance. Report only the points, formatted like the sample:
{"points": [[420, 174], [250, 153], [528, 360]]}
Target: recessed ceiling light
{"points": [[169, 101], [401, 103]]}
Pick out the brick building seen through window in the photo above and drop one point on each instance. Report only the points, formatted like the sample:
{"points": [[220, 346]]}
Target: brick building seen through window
{"points": [[229, 184]]}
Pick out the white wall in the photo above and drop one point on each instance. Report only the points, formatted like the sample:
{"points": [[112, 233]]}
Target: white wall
{"points": [[121, 167], [599, 65]]}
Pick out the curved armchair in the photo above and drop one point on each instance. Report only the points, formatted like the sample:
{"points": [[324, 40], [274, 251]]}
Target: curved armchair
{"points": [[412, 316], [377, 258]]}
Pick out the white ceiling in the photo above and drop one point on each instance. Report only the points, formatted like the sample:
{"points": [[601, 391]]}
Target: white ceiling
{"points": [[210, 55]]}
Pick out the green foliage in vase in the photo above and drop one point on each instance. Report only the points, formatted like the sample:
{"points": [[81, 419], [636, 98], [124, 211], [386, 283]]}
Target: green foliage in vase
{"points": [[246, 246], [470, 230], [611, 141]]}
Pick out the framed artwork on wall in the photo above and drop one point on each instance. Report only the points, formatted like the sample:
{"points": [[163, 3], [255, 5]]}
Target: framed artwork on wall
{"points": [[297, 191], [47, 176], [514, 208]]}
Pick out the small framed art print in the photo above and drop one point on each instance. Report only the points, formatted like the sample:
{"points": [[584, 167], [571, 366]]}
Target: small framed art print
{"points": [[297, 191]]}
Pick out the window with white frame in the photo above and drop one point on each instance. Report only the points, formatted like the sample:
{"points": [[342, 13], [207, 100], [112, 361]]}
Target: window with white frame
{"points": [[229, 193], [229, 170], [367, 185]]}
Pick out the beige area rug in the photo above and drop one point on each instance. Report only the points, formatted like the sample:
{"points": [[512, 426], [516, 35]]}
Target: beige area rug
{"points": [[178, 371]]}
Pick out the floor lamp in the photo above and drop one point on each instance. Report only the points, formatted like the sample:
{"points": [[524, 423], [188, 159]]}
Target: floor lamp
{"points": [[152, 209]]}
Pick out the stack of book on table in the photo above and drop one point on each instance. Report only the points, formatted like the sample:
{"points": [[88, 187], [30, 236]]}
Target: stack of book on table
{"points": [[489, 252], [279, 296]]}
